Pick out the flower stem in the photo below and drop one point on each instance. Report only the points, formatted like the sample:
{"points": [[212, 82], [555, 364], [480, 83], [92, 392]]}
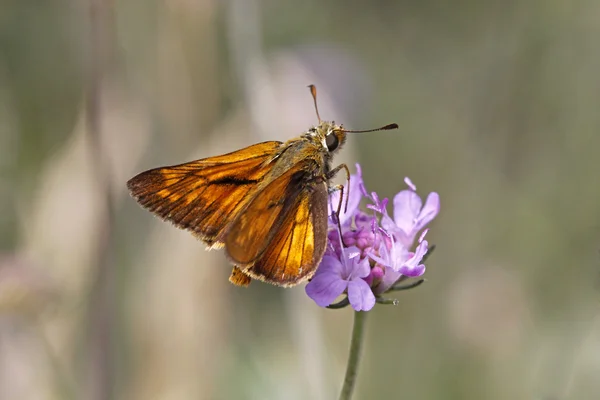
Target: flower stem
{"points": [[341, 304], [354, 356]]}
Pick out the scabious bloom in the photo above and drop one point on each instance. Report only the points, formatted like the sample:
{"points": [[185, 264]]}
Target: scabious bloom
{"points": [[372, 252]]}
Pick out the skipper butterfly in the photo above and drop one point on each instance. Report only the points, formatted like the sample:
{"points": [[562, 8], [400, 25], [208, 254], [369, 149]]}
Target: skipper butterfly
{"points": [[266, 204]]}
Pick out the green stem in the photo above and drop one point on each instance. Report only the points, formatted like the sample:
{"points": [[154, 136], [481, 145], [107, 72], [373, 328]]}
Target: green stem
{"points": [[341, 304], [354, 357]]}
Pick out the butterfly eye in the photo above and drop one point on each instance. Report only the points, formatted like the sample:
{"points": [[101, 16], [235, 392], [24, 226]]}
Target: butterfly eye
{"points": [[332, 142]]}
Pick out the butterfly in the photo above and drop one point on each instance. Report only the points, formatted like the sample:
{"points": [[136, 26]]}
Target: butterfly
{"points": [[266, 204]]}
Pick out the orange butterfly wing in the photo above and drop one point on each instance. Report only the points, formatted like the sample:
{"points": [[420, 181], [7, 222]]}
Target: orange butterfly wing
{"points": [[204, 196], [281, 236]]}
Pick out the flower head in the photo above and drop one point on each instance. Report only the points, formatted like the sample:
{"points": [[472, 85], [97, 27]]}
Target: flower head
{"points": [[373, 250]]}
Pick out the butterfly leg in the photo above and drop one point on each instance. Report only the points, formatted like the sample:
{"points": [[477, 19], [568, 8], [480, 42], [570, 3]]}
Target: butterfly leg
{"points": [[337, 169], [339, 210], [335, 188], [333, 173]]}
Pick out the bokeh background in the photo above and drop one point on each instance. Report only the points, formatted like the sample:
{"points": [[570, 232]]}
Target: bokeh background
{"points": [[498, 107]]}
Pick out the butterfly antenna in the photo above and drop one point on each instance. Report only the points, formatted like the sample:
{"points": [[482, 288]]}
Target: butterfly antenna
{"points": [[313, 91], [383, 128]]}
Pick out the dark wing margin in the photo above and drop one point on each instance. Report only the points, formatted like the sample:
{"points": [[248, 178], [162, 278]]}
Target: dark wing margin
{"points": [[205, 196], [280, 237]]}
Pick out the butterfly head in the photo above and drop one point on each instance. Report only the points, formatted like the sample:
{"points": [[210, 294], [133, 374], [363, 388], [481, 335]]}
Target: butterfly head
{"points": [[329, 135]]}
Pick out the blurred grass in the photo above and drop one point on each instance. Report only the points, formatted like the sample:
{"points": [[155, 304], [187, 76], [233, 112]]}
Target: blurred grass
{"points": [[497, 104]]}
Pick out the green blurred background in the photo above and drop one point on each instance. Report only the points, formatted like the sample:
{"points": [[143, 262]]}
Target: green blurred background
{"points": [[498, 107]]}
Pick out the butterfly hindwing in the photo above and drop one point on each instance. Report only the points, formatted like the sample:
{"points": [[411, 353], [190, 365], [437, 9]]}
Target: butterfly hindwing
{"points": [[295, 251], [281, 235]]}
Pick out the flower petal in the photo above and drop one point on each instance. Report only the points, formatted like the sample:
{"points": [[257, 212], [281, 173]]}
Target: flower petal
{"points": [[429, 212], [361, 182], [325, 288], [407, 205], [329, 263], [387, 281], [385, 261], [423, 234], [413, 266], [390, 227], [353, 266], [381, 254], [360, 295], [412, 271]]}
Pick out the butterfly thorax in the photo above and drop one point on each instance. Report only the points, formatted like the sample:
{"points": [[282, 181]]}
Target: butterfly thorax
{"points": [[318, 145]]}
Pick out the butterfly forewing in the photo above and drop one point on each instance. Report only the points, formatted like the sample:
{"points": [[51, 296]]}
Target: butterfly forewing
{"points": [[281, 235], [204, 196]]}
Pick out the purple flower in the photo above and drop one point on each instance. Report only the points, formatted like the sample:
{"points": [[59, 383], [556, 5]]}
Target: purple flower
{"points": [[336, 276], [373, 250], [410, 216]]}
